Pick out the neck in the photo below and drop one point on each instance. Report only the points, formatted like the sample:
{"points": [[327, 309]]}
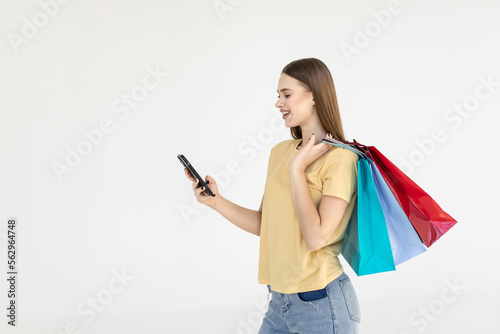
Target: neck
{"points": [[313, 125], [319, 134]]}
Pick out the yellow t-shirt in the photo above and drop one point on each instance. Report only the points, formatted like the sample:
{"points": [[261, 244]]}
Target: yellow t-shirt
{"points": [[285, 263]]}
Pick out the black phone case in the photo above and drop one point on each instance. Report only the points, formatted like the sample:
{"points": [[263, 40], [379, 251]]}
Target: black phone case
{"points": [[201, 182]]}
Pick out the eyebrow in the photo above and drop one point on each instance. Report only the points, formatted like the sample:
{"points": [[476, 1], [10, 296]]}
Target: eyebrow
{"points": [[283, 89]]}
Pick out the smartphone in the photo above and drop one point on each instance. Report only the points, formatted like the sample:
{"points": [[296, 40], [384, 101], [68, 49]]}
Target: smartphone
{"points": [[194, 173]]}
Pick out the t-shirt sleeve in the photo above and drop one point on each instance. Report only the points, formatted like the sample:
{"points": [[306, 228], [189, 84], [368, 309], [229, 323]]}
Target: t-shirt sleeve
{"points": [[340, 174]]}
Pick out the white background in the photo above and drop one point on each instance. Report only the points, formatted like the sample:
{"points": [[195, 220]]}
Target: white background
{"points": [[127, 206]]}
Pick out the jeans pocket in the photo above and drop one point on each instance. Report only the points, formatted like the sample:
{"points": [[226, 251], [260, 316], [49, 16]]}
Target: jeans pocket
{"points": [[351, 299], [312, 295]]}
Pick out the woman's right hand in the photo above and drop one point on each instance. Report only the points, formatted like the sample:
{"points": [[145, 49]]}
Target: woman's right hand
{"points": [[200, 194]]}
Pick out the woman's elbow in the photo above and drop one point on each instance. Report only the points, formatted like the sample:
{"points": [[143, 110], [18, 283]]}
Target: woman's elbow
{"points": [[314, 245]]}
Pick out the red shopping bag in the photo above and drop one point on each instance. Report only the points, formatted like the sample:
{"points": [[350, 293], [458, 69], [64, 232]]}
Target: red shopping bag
{"points": [[426, 216]]}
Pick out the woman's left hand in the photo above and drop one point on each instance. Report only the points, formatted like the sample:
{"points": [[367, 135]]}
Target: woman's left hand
{"points": [[309, 153]]}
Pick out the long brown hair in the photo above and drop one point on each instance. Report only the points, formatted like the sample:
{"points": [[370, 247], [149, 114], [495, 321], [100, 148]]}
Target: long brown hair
{"points": [[316, 78]]}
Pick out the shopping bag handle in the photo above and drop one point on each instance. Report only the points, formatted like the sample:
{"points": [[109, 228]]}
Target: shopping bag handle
{"points": [[349, 146]]}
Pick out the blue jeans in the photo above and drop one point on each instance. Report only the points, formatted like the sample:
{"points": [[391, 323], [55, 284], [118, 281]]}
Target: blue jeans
{"points": [[338, 312]]}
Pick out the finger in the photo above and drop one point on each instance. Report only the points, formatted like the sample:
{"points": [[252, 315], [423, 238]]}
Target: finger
{"points": [[198, 191], [195, 184], [311, 139], [188, 174], [209, 179], [323, 147]]}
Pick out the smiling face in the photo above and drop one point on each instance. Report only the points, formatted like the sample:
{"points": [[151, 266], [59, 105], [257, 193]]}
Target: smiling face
{"points": [[293, 97]]}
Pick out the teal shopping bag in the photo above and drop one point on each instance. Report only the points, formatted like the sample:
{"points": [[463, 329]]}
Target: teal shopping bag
{"points": [[367, 247]]}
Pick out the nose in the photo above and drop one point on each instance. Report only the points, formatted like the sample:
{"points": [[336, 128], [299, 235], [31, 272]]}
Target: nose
{"points": [[279, 103]]}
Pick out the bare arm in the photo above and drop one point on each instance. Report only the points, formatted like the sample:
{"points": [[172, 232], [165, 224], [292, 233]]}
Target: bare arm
{"points": [[246, 219], [316, 227]]}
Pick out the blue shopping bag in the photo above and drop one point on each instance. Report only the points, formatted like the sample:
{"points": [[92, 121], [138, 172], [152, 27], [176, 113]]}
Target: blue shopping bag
{"points": [[367, 247], [405, 241]]}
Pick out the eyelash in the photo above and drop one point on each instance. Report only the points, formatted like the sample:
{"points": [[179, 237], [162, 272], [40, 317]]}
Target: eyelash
{"points": [[285, 96]]}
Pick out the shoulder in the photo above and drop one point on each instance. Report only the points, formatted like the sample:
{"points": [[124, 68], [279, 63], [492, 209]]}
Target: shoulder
{"points": [[339, 161], [341, 154], [284, 145]]}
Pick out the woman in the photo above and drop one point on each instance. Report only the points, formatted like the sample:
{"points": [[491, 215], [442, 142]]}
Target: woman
{"points": [[308, 199]]}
